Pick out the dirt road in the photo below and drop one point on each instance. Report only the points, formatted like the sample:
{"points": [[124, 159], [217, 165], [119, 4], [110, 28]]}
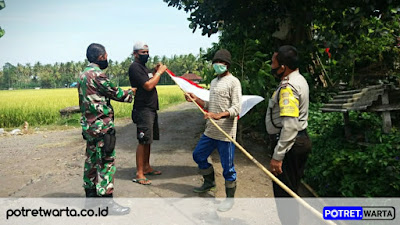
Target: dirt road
{"points": [[50, 164]]}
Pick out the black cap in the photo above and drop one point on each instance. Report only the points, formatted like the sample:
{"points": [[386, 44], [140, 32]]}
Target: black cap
{"points": [[222, 55]]}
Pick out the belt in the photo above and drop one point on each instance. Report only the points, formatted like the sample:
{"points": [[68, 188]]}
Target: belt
{"points": [[301, 133], [274, 138]]}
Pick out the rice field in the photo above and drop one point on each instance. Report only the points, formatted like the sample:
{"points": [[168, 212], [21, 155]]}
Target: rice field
{"points": [[41, 107]]}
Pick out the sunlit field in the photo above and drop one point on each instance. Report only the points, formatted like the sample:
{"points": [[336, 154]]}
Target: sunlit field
{"points": [[41, 107]]}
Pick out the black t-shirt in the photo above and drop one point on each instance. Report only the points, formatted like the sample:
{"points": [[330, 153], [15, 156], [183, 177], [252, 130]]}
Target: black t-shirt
{"points": [[138, 75]]}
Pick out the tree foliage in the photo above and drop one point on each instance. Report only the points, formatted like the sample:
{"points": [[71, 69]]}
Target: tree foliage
{"points": [[2, 6], [358, 33]]}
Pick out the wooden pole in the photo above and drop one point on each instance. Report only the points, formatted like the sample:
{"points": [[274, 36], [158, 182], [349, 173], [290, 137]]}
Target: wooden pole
{"points": [[387, 121], [347, 130]]}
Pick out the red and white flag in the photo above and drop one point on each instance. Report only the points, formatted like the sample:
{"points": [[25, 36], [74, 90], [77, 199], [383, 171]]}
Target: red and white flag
{"points": [[248, 101]]}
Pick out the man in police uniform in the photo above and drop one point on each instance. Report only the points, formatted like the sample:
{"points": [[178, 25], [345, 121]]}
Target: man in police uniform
{"points": [[95, 92], [286, 122]]}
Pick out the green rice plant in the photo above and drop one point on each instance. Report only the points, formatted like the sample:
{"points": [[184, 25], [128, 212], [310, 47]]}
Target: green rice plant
{"points": [[41, 107]]}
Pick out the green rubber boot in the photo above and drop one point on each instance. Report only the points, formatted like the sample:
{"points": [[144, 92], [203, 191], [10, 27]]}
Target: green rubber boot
{"points": [[208, 185], [227, 204]]}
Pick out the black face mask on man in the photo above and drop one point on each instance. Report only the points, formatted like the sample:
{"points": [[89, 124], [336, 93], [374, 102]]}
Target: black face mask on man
{"points": [[103, 64], [274, 72], [143, 58]]}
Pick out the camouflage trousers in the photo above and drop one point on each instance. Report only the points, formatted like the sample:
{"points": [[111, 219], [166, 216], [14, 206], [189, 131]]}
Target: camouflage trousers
{"points": [[99, 168]]}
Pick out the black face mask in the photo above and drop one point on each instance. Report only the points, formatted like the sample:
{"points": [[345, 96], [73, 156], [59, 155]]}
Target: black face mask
{"points": [[143, 58], [102, 64], [275, 73]]}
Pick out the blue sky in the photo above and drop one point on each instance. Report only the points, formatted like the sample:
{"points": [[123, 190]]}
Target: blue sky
{"points": [[52, 31]]}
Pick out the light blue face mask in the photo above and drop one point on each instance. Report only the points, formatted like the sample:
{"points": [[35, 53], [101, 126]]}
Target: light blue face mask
{"points": [[219, 68]]}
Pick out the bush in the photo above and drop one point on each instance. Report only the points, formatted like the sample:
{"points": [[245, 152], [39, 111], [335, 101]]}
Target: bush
{"points": [[338, 167]]}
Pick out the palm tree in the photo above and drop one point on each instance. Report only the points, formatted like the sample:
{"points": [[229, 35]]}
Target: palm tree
{"points": [[20, 75]]}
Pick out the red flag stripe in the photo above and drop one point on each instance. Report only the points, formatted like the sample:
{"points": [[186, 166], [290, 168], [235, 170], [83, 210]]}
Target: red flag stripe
{"points": [[187, 80]]}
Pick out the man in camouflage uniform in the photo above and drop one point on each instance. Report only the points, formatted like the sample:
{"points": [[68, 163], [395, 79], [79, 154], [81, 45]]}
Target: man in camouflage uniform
{"points": [[95, 92]]}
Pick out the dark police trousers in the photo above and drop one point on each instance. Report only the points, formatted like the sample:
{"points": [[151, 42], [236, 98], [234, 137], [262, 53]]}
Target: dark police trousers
{"points": [[293, 169]]}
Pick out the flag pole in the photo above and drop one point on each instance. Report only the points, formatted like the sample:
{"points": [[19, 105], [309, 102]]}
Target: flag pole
{"points": [[259, 165]]}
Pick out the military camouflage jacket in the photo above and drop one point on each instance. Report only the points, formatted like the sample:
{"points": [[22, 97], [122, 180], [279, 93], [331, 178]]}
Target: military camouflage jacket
{"points": [[95, 92]]}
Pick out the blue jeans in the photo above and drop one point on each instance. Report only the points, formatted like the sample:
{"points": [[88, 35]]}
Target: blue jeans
{"points": [[226, 151]]}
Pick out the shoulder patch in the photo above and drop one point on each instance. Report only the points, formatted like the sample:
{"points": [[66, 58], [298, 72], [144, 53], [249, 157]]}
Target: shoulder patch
{"points": [[288, 104]]}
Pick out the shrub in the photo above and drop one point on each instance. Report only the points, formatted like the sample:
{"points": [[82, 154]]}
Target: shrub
{"points": [[338, 167]]}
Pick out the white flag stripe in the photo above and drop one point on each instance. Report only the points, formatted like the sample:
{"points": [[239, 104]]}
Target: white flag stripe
{"points": [[202, 93], [248, 101]]}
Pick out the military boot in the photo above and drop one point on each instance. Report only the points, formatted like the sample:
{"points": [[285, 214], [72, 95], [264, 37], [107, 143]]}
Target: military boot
{"points": [[230, 189], [91, 193], [209, 181], [91, 200], [113, 207]]}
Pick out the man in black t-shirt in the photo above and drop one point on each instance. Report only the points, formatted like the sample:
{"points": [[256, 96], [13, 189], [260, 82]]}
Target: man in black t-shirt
{"points": [[144, 112]]}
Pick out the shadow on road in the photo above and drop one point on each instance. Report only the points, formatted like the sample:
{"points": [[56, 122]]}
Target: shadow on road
{"points": [[168, 172]]}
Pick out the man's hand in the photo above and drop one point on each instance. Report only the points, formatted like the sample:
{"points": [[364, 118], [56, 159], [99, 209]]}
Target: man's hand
{"points": [[215, 116], [194, 97], [156, 67], [276, 167], [134, 90], [161, 68]]}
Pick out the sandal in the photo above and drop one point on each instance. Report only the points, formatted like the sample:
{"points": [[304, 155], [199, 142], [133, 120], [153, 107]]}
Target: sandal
{"points": [[143, 181]]}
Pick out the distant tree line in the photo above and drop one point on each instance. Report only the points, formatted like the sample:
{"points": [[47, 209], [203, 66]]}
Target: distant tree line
{"points": [[64, 74]]}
